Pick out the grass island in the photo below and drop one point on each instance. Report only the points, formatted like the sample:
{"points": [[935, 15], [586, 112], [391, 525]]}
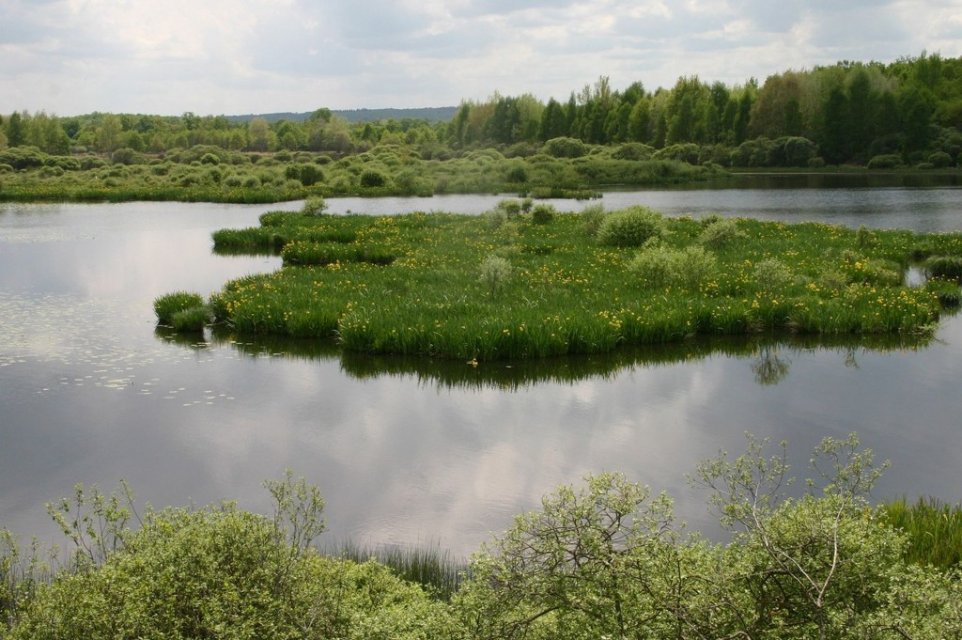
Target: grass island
{"points": [[524, 281]]}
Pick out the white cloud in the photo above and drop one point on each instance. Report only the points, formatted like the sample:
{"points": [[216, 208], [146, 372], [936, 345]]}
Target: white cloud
{"points": [[220, 56]]}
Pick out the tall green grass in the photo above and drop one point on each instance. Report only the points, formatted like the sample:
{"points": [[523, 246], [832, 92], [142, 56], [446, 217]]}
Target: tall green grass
{"points": [[435, 569], [933, 527]]}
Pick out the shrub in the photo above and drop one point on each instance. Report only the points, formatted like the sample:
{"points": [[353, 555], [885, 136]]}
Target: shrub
{"points": [[885, 161], [218, 572], [542, 214], [169, 304], [591, 218], [511, 208], [720, 233], [313, 206], [772, 276], [660, 266], [495, 272], [494, 218], [940, 159], [630, 227], [373, 178], [565, 148]]}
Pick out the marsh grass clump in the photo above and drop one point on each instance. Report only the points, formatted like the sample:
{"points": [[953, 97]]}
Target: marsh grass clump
{"points": [[630, 227], [191, 320], [166, 306], [947, 291], [946, 267]]}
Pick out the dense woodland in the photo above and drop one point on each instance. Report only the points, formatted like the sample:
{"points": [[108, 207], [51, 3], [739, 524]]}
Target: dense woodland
{"points": [[908, 112]]}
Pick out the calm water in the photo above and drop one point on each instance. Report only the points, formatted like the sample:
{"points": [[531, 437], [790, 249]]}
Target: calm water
{"points": [[417, 451]]}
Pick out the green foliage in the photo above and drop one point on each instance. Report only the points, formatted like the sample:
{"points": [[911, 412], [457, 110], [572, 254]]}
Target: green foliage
{"points": [[630, 227], [772, 276], [166, 306]]}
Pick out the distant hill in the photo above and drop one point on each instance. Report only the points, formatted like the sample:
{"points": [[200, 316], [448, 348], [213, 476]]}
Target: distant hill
{"points": [[431, 114]]}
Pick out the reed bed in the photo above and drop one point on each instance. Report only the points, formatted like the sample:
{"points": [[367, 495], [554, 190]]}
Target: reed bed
{"points": [[933, 527], [460, 287], [432, 567]]}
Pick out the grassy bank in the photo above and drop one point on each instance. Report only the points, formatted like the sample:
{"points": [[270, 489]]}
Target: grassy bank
{"points": [[516, 285]]}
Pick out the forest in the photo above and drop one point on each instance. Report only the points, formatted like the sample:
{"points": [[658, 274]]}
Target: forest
{"points": [[904, 113]]}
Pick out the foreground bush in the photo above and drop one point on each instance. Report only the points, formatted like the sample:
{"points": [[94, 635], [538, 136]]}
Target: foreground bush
{"points": [[602, 560], [630, 227], [218, 572]]}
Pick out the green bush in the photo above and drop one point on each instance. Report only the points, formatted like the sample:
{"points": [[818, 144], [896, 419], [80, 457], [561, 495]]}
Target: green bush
{"points": [[940, 160], [542, 214], [565, 148], [217, 572], [660, 266], [772, 276], [591, 218], [885, 161], [167, 305], [630, 227], [720, 233], [373, 178]]}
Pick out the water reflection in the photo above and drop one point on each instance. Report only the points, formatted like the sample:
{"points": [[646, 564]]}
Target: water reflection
{"points": [[769, 358], [413, 450]]}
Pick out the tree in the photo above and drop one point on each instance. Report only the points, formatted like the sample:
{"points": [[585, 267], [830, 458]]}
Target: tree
{"points": [[260, 136], [553, 122], [16, 130]]}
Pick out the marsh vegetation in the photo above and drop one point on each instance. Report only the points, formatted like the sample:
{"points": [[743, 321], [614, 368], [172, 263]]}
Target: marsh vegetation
{"points": [[505, 286]]}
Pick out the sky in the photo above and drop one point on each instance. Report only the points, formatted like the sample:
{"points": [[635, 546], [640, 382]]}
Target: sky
{"points": [[210, 57]]}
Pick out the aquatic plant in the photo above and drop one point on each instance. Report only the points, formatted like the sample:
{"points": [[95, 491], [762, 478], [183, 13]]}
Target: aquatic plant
{"points": [[166, 306]]}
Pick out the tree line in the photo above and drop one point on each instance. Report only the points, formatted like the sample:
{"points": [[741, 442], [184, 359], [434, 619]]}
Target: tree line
{"points": [[849, 112]]}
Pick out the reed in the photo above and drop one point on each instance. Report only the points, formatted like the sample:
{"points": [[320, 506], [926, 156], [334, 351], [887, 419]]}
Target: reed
{"points": [[933, 528], [435, 569]]}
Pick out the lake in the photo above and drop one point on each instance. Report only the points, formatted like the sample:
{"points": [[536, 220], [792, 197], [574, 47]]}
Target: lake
{"points": [[418, 451]]}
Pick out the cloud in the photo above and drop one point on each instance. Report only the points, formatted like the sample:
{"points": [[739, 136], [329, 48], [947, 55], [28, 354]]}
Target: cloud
{"points": [[170, 56]]}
